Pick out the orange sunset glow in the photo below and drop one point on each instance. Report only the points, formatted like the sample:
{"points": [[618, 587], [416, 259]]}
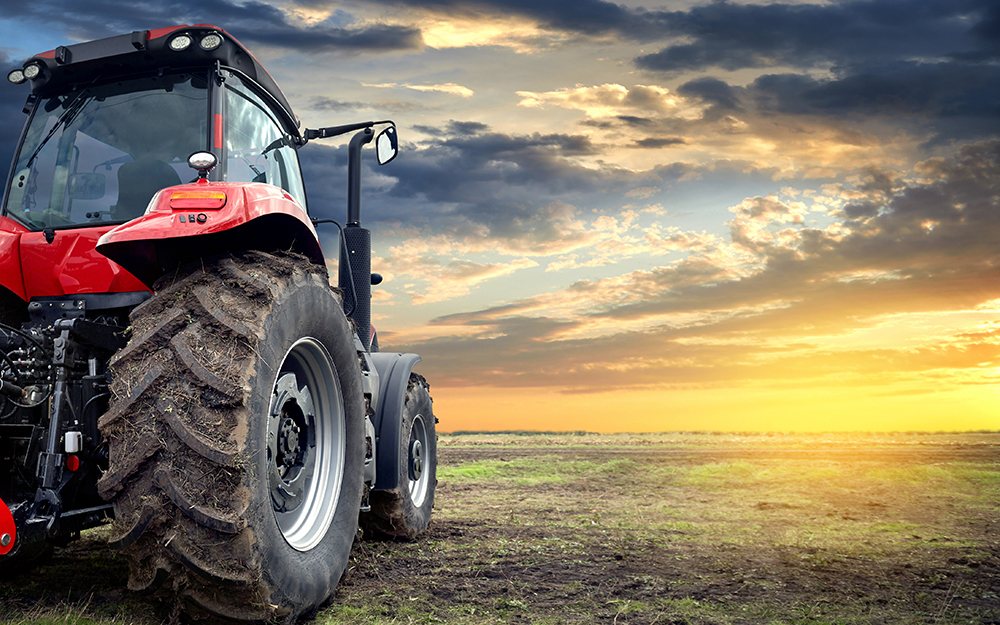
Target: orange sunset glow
{"points": [[655, 215]]}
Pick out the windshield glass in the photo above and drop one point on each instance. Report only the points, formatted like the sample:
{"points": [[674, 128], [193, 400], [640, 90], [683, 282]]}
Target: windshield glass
{"points": [[99, 154]]}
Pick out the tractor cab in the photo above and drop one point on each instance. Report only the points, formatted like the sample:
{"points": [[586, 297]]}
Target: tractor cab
{"points": [[114, 121]]}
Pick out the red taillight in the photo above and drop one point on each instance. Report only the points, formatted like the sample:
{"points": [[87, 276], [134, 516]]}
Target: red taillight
{"points": [[206, 200], [72, 463]]}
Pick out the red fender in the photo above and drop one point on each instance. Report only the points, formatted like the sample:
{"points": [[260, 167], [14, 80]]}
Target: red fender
{"points": [[191, 221]]}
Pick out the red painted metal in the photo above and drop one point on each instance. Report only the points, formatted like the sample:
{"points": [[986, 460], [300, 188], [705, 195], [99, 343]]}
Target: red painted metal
{"points": [[218, 131], [10, 256], [70, 265], [7, 528], [245, 202]]}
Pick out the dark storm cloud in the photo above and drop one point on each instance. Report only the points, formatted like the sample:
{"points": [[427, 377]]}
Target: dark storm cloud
{"points": [[952, 99], [659, 142], [736, 36], [12, 99], [329, 104], [250, 22], [472, 181], [712, 91]]}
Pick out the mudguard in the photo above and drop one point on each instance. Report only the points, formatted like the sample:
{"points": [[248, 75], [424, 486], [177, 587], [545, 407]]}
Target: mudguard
{"points": [[394, 376], [203, 219]]}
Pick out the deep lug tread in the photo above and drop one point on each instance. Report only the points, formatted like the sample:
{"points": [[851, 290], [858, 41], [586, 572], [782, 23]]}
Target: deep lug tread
{"points": [[216, 576], [178, 438], [147, 580], [128, 538], [171, 322], [182, 349], [229, 524], [112, 482], [170, 412], [147, 381]]}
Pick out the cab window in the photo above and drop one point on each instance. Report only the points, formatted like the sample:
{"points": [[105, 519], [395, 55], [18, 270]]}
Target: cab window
{"points": [[257, 149]]}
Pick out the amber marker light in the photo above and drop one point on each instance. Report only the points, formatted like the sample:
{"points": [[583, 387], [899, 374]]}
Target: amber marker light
{"points": [[186, 200]]}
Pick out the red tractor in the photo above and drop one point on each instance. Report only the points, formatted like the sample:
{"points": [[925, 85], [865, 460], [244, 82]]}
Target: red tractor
{"points": [[172, 355]]}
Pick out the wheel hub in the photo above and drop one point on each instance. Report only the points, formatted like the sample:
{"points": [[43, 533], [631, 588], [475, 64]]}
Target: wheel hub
{"points": [[419, 478], [306, 444], [288, 440], [416, 459], [290, 463]]}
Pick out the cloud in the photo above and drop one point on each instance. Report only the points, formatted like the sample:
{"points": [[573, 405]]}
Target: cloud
{"points": [[735, 36], [449, 88], [659, 142], [582, 17], [873, 301], [250, 22], [12, 100], [608, 100]]}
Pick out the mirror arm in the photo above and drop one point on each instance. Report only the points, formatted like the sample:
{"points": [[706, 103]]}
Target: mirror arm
{"points": [[334, 131]]}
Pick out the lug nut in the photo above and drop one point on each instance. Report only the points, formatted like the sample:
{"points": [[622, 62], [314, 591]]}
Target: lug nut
{"points": [[4, 540]]}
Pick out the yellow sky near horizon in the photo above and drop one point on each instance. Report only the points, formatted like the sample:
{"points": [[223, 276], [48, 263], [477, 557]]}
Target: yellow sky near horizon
{"points": [[726, 410]]}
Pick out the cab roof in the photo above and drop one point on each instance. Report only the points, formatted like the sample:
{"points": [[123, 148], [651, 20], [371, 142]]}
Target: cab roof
{"points": [[147, 51]]}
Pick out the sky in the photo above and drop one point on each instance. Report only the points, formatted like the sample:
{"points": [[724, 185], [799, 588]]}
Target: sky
{"points": [[650, 215]]}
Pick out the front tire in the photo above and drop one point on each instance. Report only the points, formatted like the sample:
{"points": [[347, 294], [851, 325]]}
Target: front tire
{"points": [[236, 432]]}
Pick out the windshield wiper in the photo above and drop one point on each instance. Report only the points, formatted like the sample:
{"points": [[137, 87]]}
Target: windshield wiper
{"points": [[64, 120]]}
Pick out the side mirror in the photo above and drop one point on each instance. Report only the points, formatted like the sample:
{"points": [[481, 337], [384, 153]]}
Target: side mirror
{"points": [[387, 145]]}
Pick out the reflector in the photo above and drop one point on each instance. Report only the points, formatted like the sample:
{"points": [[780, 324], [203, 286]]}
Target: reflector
{"points": [[185, 200]]}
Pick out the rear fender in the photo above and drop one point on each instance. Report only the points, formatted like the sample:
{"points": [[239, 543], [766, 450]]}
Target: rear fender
{"points": [[178, 228], [394, 376]]}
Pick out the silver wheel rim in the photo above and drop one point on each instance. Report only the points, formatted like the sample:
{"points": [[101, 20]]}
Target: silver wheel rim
{"points": [[418, 471], [306, 439]]}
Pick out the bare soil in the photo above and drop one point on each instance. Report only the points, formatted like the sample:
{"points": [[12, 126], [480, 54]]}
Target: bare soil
{"points": [[678, 531]]}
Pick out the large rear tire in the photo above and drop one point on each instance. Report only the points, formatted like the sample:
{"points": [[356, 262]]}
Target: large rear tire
{"points": [[405, 511], [236, 433]]}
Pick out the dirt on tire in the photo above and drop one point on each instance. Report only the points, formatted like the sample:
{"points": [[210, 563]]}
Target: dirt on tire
{"points": [[181, 416]]}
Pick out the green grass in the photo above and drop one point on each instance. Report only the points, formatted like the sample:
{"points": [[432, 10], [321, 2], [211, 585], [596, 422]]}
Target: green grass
{"points": [[668, 528]]}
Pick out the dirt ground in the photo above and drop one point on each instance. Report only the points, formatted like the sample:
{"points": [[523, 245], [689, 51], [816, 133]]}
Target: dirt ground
{"points": [[809, 535], [675, 532]]}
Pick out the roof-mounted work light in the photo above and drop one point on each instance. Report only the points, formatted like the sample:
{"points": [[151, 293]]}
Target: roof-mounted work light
{"points": [[16, 76], [32, 70], [211, 41], [180, 42]]}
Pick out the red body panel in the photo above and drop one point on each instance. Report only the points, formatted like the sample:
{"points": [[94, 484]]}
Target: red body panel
{"points": [[10, 256], [31, 267], [70, 265], [7, 528]]}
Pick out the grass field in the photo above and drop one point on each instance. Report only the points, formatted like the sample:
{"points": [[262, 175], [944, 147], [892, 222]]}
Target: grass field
{"points": [[665, 528]]}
